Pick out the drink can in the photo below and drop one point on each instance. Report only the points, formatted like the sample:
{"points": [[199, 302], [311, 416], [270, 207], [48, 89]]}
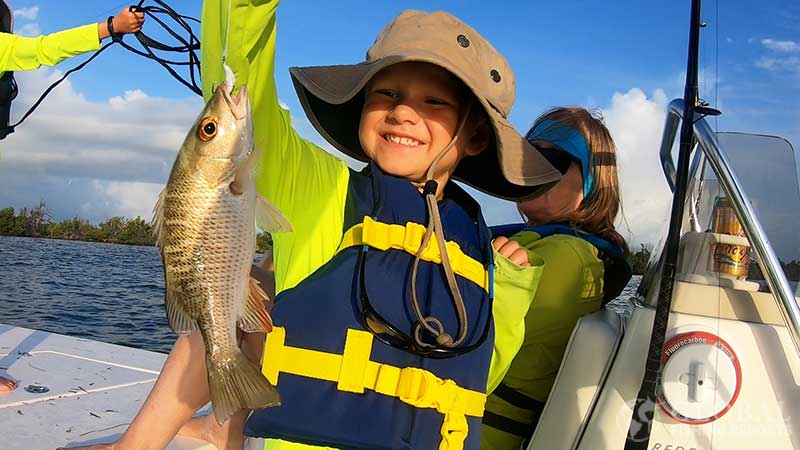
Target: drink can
{"points": [[732, 260], [728, 259], [724, 220]]}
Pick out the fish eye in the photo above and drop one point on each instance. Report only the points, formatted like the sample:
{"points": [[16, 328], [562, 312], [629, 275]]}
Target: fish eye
{"points": [[207, 129]]}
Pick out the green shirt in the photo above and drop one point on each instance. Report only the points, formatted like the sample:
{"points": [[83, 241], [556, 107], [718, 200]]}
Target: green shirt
{"points": [[571, 286], [308, 184], [29, 53]]}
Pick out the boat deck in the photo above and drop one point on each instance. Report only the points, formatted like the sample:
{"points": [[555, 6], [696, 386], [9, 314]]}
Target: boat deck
{"points": [[93, 392]]}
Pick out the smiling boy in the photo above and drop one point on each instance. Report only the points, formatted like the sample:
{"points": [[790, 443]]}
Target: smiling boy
{"points": [[391, 287]]}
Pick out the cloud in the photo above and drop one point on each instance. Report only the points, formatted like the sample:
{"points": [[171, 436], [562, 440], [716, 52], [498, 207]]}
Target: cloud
{"points": [[789, 64], [636, 122], [95, 159], [777, 61], [27, 13], [781, 46], [128, 199], [29, 29]]}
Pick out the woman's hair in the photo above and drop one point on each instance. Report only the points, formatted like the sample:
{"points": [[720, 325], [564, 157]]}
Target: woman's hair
{"points": [[597, 212]]}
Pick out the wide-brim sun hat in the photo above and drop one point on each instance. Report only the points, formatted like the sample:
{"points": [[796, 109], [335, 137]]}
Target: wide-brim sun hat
{"points": [[333, 98]]}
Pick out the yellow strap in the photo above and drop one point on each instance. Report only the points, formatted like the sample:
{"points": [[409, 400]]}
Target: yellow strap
{"points": [[383, 236], [354, 372]]}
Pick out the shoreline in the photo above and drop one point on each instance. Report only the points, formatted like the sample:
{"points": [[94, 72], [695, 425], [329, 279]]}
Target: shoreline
{"points": [[78, 240]]}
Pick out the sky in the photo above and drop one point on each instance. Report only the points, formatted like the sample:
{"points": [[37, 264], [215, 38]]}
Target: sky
{"points": [[102, 144]]}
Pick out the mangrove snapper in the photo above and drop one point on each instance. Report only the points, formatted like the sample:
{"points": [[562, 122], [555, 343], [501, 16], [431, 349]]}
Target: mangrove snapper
{"points": [[205, 226]]}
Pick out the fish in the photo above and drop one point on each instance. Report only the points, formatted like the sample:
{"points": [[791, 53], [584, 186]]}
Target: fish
{"points": [[204, 223]]}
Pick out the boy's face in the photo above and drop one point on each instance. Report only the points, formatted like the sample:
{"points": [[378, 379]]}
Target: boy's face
{"points": [[411, 112]]}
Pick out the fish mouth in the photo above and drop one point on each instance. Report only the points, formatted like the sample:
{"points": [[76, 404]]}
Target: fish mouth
{"points": [[238, 104]]}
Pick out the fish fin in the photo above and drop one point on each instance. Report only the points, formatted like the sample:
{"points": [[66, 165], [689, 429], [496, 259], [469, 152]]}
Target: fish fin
{"points": [[179, 319], [238, 385], [158, 219], [255, 318], [269, 218]]}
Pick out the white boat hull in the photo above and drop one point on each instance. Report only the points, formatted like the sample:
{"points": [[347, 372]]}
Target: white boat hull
{"points": [[94, 390]]}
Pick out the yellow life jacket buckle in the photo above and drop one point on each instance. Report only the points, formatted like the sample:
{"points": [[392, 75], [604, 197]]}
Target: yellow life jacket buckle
{"points": [[423, 389], [416, 387]]}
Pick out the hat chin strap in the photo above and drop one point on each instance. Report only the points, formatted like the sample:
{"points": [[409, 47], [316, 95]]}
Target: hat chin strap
{"points": [[434, 228]]}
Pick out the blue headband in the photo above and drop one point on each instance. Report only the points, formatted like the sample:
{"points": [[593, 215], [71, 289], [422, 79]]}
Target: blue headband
{"points": [[569, 140]]}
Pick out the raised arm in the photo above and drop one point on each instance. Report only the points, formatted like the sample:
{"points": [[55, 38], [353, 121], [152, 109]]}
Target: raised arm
{"points": [[306, 183]]}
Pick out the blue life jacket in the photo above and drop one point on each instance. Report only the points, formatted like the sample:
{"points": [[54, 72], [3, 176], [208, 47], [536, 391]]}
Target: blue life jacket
{"points": [[617, 272], [343, 387]]}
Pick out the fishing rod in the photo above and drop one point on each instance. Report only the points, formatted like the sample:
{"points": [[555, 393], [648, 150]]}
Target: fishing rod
{"points": [[638, 437], [188, 46]]}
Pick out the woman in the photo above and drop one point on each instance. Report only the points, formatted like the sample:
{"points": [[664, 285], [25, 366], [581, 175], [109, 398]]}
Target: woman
{"points": [[571, 227]]}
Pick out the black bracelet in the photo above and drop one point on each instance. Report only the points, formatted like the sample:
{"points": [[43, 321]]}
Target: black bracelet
{"points": [[116, 37]]}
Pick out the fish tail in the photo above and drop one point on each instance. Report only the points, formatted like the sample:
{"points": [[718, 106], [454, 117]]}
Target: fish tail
{"points": [[238, 385]]}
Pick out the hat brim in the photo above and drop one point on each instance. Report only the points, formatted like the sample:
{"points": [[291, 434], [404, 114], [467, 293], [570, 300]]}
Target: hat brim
{"points": [[332, 98]]}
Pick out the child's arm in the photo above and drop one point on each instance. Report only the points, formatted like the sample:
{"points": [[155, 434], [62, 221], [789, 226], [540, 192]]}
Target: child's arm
{"points": [[514, 288], [306, 183]]}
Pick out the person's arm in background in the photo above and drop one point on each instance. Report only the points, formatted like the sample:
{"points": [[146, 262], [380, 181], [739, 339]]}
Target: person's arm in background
{"points": [[29, 53], [516, 278]]}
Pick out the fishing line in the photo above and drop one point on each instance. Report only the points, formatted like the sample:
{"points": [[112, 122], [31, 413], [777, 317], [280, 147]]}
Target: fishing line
{"points": [[716, 70], [719, 188], [643, 414], [189, 47], [230, 78]]}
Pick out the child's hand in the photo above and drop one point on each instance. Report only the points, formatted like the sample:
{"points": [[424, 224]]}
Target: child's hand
{"points": [[128, 21], [511, 250]]}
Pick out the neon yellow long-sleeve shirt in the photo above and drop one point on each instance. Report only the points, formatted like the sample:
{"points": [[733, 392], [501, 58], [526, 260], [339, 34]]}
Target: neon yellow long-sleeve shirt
{"points": [[308, 184], [571, 286], [30, 53]]}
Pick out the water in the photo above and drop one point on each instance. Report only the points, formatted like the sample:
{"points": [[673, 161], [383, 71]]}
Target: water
{"points": [[106, 292]]}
